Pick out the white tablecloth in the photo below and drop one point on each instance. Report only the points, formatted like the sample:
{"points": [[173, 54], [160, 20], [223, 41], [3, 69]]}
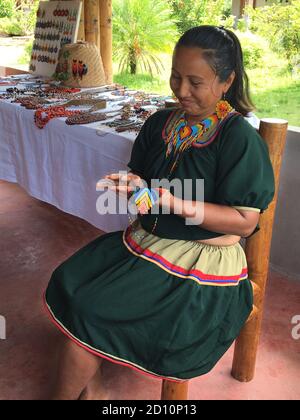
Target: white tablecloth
{"points": [[61, 164]]}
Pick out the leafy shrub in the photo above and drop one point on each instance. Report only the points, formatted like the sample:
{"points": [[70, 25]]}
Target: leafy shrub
{"points": [[189, 13], [253, 50], [281, 26], [141, 30], [22, 19], [25, 57], [7, 8]]}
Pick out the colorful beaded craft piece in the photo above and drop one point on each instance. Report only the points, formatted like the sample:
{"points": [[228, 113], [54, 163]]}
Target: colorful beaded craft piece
{"points": [[144, 199]]}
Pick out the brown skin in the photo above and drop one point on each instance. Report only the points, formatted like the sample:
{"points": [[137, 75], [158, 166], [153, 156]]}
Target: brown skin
{"points": [[78, 375], [195, 84]]}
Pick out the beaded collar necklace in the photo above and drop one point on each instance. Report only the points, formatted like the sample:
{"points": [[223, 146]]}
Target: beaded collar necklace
{"points": [[179, 136]]}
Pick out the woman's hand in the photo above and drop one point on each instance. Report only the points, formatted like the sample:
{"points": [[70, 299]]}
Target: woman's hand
{"points": [[165, 198], [126, 183], [122, 183]]}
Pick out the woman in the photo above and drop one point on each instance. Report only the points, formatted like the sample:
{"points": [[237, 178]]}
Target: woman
{"points": [[164, 297]]}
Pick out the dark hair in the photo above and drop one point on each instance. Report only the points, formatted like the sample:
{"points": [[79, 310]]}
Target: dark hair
{"points": [[222, 51]]}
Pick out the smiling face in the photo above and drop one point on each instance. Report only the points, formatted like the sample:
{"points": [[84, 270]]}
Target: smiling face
{"points": [[195, 83]]}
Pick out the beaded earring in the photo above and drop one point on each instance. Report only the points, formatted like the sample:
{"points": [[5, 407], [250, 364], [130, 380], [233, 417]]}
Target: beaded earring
{"points": [[223, 107]]}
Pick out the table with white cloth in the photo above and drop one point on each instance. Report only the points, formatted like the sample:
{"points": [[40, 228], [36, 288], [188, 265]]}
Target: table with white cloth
{"points": [[61, 164]]}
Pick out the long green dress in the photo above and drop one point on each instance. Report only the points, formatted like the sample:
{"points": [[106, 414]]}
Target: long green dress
{"points": [[157, 300]]}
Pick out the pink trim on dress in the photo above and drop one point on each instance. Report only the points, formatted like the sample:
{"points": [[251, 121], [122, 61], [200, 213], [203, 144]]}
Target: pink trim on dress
{"points": [[96, 353]]}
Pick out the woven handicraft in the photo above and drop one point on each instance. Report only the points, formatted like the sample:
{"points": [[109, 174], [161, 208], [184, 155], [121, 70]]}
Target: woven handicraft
{"points": [[80, 65]]}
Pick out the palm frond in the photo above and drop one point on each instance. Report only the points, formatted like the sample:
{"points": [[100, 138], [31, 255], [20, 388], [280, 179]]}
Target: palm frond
{"points": [[145, 27]]}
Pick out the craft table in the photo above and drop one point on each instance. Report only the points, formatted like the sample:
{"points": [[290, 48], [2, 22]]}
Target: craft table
{"points": [[61, 164]]}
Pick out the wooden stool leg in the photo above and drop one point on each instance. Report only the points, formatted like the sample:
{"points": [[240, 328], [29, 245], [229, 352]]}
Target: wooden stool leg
{"points": [[174, 390], [245, 350]]}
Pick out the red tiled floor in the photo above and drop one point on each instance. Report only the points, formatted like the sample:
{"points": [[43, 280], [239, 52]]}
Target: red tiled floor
{"points": [[34, 238]]}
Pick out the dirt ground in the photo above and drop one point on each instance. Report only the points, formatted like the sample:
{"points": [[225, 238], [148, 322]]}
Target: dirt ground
{"points": [[11, 49]]}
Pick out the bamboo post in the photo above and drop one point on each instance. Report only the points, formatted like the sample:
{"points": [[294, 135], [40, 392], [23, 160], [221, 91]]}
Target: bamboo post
{"points": [[174, 390], [257, 252], [106, 38], [91, 21], [81, 32]]}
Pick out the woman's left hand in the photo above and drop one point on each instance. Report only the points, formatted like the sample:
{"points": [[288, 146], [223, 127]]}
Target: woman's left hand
{"points": [[165, 198]]}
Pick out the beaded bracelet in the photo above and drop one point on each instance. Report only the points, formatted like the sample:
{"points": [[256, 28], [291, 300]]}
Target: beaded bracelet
{"points": [[30, 102], [85, 118]]}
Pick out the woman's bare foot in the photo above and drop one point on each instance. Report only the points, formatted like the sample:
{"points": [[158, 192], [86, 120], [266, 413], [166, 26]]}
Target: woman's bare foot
{"points": [[95, 389]]}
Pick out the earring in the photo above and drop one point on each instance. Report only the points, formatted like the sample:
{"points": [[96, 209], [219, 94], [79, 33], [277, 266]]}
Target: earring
{"points": [[223, 107]]}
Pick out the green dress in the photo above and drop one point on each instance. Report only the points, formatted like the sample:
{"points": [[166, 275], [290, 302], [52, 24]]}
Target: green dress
{"points": [[158, 301]]}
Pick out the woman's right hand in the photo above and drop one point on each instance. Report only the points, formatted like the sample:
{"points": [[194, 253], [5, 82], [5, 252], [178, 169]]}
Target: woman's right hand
{"points": [[123, 183]]}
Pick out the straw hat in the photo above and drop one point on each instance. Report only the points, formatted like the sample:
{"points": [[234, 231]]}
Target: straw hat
{"points": [[80, 65]]}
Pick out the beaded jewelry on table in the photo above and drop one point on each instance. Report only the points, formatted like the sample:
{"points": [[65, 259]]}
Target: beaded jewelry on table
{"points": [[43, 115]]}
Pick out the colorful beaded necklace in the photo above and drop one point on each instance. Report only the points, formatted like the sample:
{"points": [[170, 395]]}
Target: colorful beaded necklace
{"points": [[179, 136], [43, 115]]}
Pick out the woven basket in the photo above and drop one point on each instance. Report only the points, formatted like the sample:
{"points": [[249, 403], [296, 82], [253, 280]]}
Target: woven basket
{"points": [[80, 65]]}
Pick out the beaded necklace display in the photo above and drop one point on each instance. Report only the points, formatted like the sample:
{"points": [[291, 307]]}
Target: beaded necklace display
{"points": [[179, 137]]}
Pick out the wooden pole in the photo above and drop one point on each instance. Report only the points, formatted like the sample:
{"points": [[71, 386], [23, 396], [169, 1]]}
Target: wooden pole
{"points": [[174, 390], [91, 21], [257, 253], [106, 38], [81, 32]]}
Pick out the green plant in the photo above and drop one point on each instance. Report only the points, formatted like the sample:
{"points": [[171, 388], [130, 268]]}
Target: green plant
{"points": [[22, 20], [253, 47], [281, 26], [25, 57], [7, 8], [11, 26], [141, 29], [189, 13]]}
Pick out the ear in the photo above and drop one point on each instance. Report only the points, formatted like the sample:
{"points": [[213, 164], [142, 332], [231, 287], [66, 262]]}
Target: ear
{"points": [[229, 81]]}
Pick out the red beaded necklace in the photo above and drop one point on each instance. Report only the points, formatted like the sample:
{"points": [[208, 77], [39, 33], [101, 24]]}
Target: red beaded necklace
{"points": [[43, 115]]}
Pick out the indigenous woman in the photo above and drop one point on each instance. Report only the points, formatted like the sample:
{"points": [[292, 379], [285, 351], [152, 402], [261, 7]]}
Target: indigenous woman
{"points": [[164, 297]]}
